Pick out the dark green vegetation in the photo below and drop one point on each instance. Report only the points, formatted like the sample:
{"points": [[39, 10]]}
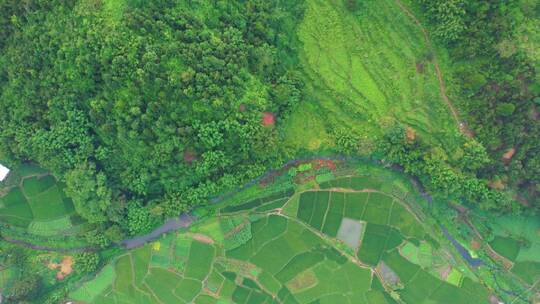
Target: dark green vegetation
{"points": [[145, 110], [493, 46], [451, 178], [140, 110], [160, 102]]}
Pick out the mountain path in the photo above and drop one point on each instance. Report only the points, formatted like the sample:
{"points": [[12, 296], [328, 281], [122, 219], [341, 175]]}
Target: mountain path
{"points": [[442, 87]]}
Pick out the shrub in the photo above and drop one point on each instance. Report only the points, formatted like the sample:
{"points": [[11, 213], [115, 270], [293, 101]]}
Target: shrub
{"points": [[86, 262]]}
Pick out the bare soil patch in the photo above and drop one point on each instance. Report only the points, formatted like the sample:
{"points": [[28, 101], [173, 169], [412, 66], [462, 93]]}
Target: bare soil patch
{"points": [[65, 267], [420, 67], [507, 156], [303, 281], [202, 238]]}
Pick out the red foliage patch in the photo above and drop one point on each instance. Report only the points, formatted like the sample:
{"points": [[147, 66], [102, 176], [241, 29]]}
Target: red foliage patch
{"points": [[268, 119], [475, 245], [189, 156], [507, 156], [321, 163]]}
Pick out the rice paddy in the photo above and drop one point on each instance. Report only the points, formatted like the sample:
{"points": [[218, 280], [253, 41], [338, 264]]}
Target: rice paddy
{"points": [[343, 242], [34, 200]]}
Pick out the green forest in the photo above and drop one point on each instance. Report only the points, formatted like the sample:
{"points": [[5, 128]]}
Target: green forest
{"points": [[122, 114], [155, 103]]}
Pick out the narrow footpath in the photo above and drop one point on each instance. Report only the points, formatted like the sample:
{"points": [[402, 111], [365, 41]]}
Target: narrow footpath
{"points": [[442, 87]]}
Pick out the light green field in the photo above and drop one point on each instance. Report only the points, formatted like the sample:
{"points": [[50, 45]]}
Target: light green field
{"points": [[35, 200], [366, 70]]}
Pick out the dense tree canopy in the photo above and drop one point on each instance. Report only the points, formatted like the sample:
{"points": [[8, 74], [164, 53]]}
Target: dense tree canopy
{"points": [[451, 179], [494, 47], [149, 100], [146, 108]]}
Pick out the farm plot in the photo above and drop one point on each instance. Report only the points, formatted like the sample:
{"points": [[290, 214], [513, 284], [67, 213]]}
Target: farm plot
{"points": [[334, 213], [506, 246], [305, 267], [422, 287], [381, 225], [280, 260], [353, 182], [272, 201], [326, 246], [14, 208], [518, 239], [516, 233], [146, 275], [38, 203], [283, 262], [46, 198]]}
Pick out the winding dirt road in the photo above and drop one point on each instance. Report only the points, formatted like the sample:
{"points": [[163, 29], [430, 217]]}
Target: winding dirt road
{"points": [[442, 87]]}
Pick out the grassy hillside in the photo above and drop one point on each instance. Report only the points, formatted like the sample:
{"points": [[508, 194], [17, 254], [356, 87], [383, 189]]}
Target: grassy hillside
{"points": [[368, 68]]}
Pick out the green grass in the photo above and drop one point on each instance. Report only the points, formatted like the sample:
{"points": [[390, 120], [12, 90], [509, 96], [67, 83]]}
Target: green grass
{"points": [[519, 227], [298, 264], [506, 246], [239, 237], [49, 204], [454, 277], [319, 212], [365, 182], [13, 197], [279, 196], [362, 70], [420, 287], [304, 129], [306, 206], [402, 219], [272, 205], [403, 268], [92, 289], [38, 204], [33, 186], [377, 209], [199, 261], [163, 283], [528, 271], [15, 209], [188, 289], [355, 204], [50, 227], [372, 247], [140, 258], [377, 240], [334, 215]]}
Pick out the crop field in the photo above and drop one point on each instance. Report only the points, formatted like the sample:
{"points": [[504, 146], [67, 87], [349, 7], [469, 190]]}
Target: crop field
{"points": [[517, 238], [370, 68], [36, 201], [342, 244]]}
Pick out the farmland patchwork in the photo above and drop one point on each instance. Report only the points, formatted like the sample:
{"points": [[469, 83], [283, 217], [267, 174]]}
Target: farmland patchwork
{"points": [[346, 241]]}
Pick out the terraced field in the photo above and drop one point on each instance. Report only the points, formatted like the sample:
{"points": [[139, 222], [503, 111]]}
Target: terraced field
{"points": [[34, 200], [370, 68], [351, 239]]}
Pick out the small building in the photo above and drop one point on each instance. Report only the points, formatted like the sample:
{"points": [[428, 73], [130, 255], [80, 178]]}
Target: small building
{"points": [[3, 172]]}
